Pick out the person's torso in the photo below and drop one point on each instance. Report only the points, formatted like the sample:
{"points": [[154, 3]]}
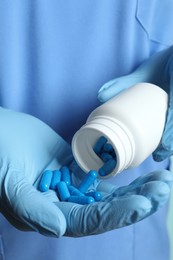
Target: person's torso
{"points": [[54, 57]]}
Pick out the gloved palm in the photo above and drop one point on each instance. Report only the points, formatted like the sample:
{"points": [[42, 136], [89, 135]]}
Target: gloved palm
{"points": [[28, 146], [157, 70]]}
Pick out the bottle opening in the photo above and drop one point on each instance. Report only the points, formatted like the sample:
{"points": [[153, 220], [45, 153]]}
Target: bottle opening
{"points": [[90, 155], [106, 153]]}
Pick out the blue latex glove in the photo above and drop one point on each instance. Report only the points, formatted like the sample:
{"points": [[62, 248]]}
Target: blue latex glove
{"points": [[120, 206], [28, 147], [157, 70]]}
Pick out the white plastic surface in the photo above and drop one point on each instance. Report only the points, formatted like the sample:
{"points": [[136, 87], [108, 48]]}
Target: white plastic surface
{"points": [[133, 123]]}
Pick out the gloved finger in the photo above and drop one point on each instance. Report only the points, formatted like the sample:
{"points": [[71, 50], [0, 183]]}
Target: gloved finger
{"points": [[101, 217], [113, 191], [106, 187], [159, 175], [114, 87], [157, 192], [157, 189], [31, 207]]}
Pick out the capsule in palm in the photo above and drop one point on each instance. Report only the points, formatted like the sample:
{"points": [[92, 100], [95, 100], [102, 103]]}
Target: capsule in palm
{"points": [[74, 191], [63, 192], [88, 181], [66, 175], [81, 199], [95, 194], [55, 179], [45, 181]]}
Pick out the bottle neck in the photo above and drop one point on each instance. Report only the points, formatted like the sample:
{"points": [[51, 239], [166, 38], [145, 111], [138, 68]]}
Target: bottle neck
{"points": [[115, 132]]}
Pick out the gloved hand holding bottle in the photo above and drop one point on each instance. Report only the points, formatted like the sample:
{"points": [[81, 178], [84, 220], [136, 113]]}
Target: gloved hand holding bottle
{"points": [[28, 147], [157, 70]]}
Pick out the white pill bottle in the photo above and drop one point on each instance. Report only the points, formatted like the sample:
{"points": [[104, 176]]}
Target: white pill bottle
{"points": [[133, 122]]}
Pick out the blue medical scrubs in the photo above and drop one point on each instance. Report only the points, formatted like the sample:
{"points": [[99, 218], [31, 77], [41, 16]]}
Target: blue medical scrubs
{"points": [[54, 57]]}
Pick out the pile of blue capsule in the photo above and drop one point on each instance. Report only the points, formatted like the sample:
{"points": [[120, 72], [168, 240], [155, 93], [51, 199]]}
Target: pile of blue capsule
{"points": [[60, 180]]}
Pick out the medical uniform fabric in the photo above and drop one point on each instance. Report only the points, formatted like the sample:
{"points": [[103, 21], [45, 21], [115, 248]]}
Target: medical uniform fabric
{"points": [[54, 57]]}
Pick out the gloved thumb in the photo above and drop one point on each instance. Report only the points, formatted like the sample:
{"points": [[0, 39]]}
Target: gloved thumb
{"points": [[24, 204]]}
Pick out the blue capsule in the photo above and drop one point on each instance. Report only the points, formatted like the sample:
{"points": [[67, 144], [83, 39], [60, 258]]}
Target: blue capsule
{"points": [[66, 175], [63, 191], [55, 179], [108, 148], [113, 154], [88, 181], [107, 167], [45, 181], [81, 199], [74, 191], [106, 157], [95, 194], [99, 145]]}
